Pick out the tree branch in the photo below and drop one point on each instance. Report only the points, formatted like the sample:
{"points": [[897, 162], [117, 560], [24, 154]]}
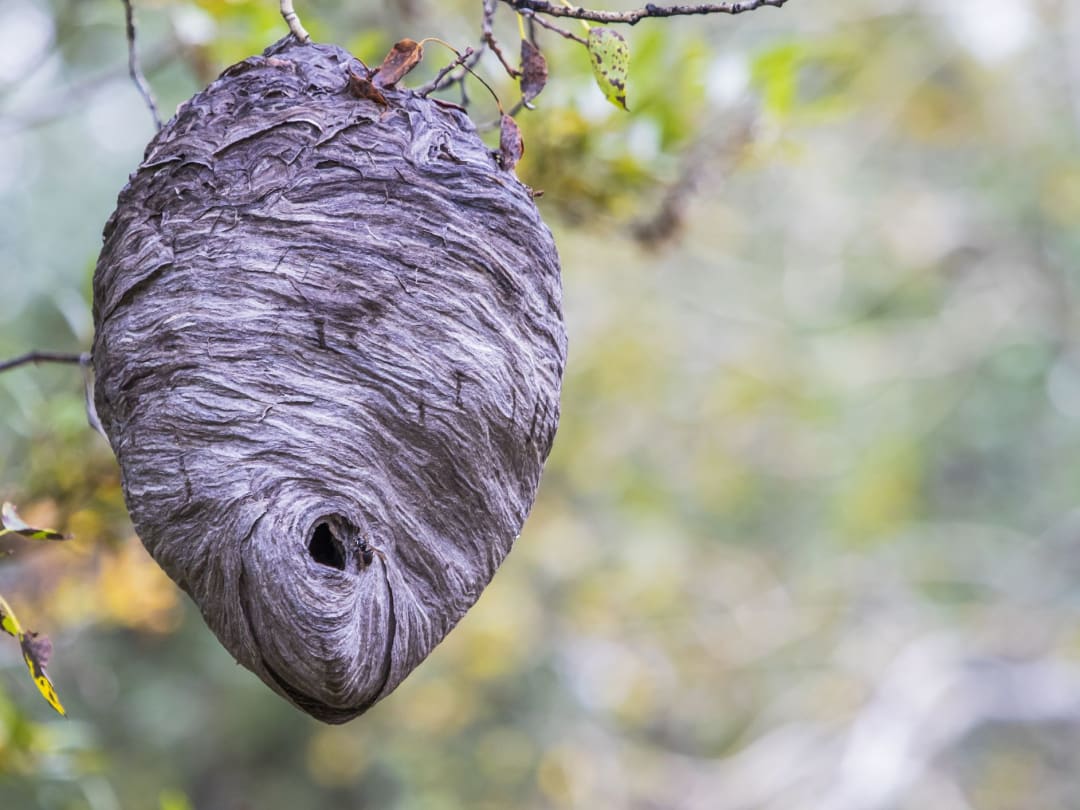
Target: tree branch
{"points": [[82, 359], [493, 44], [288, 13], [636, 15], [562, 32], [134, 70], [436, 83], [443, 80]]}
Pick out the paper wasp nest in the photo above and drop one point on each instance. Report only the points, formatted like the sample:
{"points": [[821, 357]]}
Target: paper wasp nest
{"points": [[328, 356]]}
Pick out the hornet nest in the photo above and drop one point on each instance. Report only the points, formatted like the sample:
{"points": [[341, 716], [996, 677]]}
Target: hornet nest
{"points": [[328, 356]]}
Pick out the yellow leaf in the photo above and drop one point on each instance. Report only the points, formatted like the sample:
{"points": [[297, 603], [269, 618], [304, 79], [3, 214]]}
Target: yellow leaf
{"points": [[12, 523], [610, 58], [35, 651], [8, 623], [44, 685]]}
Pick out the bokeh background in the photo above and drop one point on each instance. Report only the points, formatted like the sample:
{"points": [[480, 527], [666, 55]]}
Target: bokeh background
{"points": [[809, 537]]}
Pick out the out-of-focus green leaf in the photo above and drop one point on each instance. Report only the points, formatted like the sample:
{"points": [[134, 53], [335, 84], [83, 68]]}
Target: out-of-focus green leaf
{"points": [[172, 799], [808, 78], [534, 71], [774, 71], [13, 524]]}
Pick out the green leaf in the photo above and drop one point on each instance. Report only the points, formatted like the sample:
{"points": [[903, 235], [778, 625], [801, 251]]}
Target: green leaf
{"points": [[13, 524], [172, 799], [610, 57]]}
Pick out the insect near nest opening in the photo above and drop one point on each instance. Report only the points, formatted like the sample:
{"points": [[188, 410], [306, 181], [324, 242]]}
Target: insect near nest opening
{"points": [[326, 549]]}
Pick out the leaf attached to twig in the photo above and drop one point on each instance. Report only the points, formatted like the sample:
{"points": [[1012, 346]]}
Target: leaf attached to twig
{"points": [[609, 54], [511, 145], [403, 57], [36, 651], [13, 524], [534, 71]]}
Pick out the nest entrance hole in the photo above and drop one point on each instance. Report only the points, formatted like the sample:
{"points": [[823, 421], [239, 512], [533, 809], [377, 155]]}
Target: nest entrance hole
{"points": [[326, 549]]}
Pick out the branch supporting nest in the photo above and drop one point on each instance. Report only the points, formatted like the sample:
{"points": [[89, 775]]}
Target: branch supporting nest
{"points": [[288, 13], [636, 15], [135, 69]]}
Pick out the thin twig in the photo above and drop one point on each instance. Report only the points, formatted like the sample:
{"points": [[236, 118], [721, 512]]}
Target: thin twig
{"points": [[492, 43], [82, 359], [288, 13], [443, 80], [487, 21], [636, 15], [562, 32], [491, 126], [134, 70], [436, 83]]}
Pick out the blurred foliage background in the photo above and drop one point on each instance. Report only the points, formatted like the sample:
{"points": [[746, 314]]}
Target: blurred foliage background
{"points": [[809, 535]]}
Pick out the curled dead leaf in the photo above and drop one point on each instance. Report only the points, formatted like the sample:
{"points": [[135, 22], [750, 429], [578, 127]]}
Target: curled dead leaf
{"points": [[511, 145], [534, 71], [403, 57]]}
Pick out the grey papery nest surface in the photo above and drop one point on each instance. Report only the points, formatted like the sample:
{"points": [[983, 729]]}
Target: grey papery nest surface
{"points": [[328, 357]]}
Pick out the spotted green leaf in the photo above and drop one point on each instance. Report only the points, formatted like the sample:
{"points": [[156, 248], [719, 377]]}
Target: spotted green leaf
{"points": [[610, 57], [13, 524]]}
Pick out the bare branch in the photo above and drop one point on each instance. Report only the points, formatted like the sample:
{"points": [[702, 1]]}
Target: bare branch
{"points": [[562, 32], [436, 83], [288, 13], [45, 357], [492, 43], [134, 70], [487, 22], [443, 80], [636, 15]]}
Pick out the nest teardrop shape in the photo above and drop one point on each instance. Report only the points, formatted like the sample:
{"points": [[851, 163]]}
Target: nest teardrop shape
{"points": [[328, 358]]}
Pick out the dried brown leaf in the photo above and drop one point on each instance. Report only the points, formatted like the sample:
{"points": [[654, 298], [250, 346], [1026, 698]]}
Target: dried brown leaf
{"points": [[362, 87], [38, 649], [534, 71], [511, 145], [449, 105], [403, 57]]}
